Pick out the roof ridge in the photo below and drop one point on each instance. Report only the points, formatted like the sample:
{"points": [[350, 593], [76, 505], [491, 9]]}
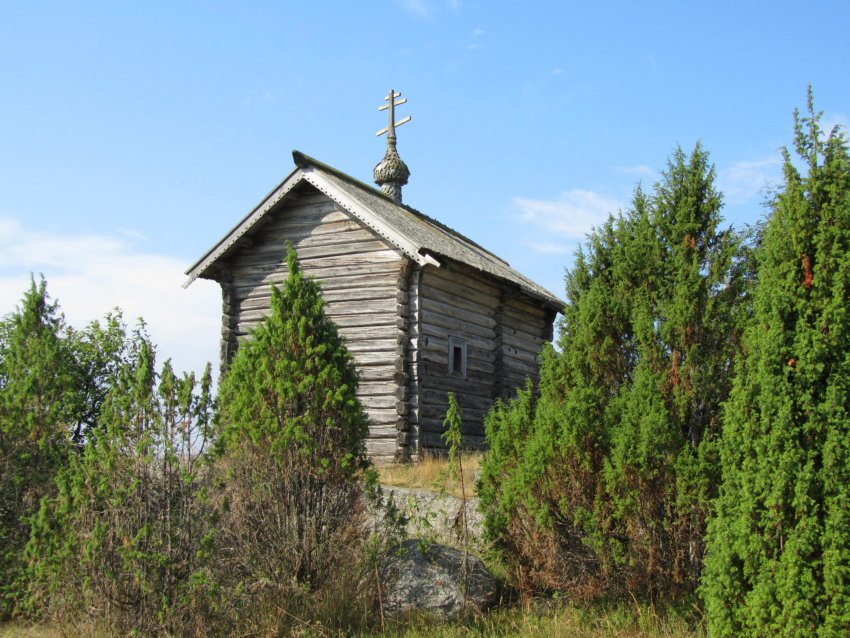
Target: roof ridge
{"points": [[302, 160]]}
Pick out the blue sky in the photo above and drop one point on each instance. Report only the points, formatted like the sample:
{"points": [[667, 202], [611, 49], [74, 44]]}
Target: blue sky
{"points": [[133, 135]]}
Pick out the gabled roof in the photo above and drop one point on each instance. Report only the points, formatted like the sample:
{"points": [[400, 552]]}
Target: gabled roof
{"points": [[419, 237]]}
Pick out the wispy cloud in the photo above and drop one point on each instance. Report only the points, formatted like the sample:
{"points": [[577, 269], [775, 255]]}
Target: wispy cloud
{"points": [[547, 247], [743, 181], [831, 120], [89, 275], [572, 215], [476, 41], [425, 9], [639, 169]]}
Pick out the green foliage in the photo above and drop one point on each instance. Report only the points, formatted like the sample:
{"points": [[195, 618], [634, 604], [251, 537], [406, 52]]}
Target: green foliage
{"points": [[778, 560], [603, 483], [53, 382], [292, 462], [119, 542], [36, 392]]}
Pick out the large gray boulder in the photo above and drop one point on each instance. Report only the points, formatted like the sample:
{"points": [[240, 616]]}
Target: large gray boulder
{"points": [[428, 578]]}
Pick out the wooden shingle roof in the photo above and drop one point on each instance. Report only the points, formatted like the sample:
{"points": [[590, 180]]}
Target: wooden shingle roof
{"points": [[419, 237]]}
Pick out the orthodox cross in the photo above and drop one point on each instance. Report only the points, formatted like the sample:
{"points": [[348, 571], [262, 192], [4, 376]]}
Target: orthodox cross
{"points": [[392, 103]]}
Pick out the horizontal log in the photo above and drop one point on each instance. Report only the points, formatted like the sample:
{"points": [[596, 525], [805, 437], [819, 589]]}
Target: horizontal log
{"points": [[430, 307], [455, 272], [381, 448], [374, 388], [371, 358], [438, 332], [453, 283], [461, 297], [525, 332], [521, 356], [386, 320], [381, 416], [433, 441], [434, 323], [524, 314], [372, 373], [483, 366], [435, 426], [476, 373], [275, 253], [307, 243], [435, 397], [529, 345], [264, 272], [383, 432], [356, 345], [377, 401], [261, 298], [481, 388], [438, 412]]}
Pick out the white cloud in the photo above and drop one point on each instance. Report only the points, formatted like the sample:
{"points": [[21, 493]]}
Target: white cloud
{"points": [[831, 120], [427, 8], [419, 8], [743, 181], [639, 169], [572, 215], [89, 275], [547, 247]]}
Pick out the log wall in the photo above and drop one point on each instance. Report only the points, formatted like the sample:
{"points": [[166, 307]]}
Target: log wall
{"points": [[503, 331], [363, 282], [397, 318]]}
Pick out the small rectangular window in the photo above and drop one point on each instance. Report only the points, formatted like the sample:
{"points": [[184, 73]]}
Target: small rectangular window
{"points": [[457, 357]]}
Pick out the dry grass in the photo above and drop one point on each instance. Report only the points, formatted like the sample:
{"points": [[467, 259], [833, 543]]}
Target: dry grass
{"points": [[432, 473], [618, 622], [637, 621]]}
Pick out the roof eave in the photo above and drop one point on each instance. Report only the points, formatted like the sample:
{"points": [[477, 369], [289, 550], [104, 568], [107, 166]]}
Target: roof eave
{"points": [[201, 266]]}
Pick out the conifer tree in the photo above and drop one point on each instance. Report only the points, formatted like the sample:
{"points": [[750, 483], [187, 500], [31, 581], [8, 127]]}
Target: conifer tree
{"points": [[121, 539], [778, 559], [36, 395], [603, 483], [293, 450]]}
